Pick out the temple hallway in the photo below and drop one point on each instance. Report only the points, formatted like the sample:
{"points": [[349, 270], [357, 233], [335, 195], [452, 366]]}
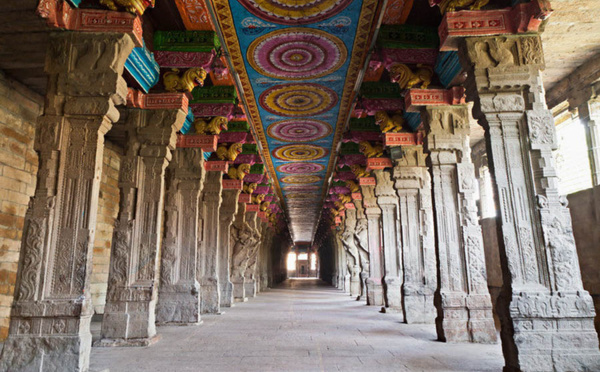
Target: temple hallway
{"points": [[302, 325]]}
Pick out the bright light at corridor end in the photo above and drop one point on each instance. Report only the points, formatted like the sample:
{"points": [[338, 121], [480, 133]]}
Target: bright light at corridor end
{"points": [[291, 261]]}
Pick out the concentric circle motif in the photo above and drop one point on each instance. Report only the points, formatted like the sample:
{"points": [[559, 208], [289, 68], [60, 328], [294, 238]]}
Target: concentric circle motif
{"points": [[299, 130], [301, 179], [300, 168], [302, 99], [302, 188], [294, 12], [299, 152], [297, 54]]}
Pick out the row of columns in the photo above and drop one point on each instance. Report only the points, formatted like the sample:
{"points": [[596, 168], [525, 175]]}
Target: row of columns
{"points": [[425, 244], [167, 273]]}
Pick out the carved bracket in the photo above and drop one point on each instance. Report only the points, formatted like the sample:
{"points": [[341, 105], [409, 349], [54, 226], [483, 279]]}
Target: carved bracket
{"points": [[417, 98], [207, 143], [157, 101]]}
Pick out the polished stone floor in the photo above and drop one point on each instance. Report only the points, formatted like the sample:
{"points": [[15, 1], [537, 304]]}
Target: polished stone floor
{"points": [[303, 325]]}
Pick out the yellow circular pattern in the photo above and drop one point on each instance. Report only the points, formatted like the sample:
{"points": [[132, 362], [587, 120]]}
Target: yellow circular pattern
{"points": [[299, 152], [302, 99], [300, 179]]}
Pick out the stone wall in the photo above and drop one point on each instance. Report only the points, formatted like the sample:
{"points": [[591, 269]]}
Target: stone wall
{"points": [[108, 208], [19, 109]]}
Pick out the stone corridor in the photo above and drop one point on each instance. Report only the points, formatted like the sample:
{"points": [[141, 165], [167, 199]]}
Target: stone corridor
{"points": [[301, 325]]}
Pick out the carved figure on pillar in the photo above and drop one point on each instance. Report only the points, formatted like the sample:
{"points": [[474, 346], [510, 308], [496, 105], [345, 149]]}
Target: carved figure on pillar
{"points": [[179, 291], [546, 315], [51, 313], [362, 242], [240, 240], [254, 243], [348, 240], [462, 300], [229, 208], [373, 214], [413, 185], [129, 314]]}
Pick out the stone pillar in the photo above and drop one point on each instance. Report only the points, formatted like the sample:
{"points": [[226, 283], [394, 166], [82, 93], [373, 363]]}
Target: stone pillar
{"points": [[392, 250], [589, 114], [413, 184], [239, 236], [52, 309], [228, 210], [361, 236], [179, 290], [547, 317], [129, 314], [373, 214], [249, 280], [210, 293], [265, 258], [464, 305], [349, 242]]}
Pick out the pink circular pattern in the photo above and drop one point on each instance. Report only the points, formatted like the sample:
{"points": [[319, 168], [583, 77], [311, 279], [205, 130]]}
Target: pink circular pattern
{"points": [[299, 130], [294, 12], [300, 168], [297, 54]]}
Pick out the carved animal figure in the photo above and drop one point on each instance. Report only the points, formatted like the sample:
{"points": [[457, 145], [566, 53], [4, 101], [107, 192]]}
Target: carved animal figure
{"points": [[249, 187], [265, 206], [215, 126], [344, 198], [229, 153], [257, 199], [340, 206], [132, 6], [452, 5], [353, 186], [359, 172], [389, 125], [240, 172], [406, 78], [185, 83], [370, 151]]}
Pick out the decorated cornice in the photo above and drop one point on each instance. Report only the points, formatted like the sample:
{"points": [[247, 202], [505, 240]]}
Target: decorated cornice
{"points": [[407, 37], [186, 41], [214, 94], [60, 14], [157, 101], [213, 109], [521, 18], [410, 56], [169, 59], [376, 90], [143, 68], [416, 98]]}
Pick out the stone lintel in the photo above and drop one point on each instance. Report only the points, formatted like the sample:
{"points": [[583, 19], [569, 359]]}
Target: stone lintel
{"points": [[417, 98], [157, 101]]}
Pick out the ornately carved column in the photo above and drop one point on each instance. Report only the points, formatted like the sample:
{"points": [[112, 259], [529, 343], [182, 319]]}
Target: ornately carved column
{"points": [[249, 278], [50, 317], [413, 184], [129, 315], [228, 210], [392, 255], [546, 315], [239, 240], [210, 293], [179, 291], [348, 240], [463, 303], [361, 235], [373, 213]]}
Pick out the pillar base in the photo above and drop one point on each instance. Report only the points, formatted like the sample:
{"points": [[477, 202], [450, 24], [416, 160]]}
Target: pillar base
{"points": [[392, 287], [178, 304], [239, 290], [550, 333], [466, 319], [210, 296], [355, 286], [129, 320], [227, 294], [67, 352], [418, 308], [346, 283], [250, 287], [131, 342], [374, 292]]}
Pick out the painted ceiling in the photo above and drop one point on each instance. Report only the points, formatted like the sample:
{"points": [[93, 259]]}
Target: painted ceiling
{"points": [[298, 63]]}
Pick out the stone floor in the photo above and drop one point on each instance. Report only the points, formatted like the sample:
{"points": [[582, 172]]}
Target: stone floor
{"points": [[303, 325]]}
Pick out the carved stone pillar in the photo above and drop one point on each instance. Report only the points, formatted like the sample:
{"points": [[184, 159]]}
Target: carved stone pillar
{"points": [[546, 315], [228, 210], [463, 303], [361, 236], [210, 293], [413, 184], [392, 250], [239, 241], [129, 314], [249, 280], [50, 316], [373, 213], [589, 114], [179, 290], [353, 259], [265, 258]]}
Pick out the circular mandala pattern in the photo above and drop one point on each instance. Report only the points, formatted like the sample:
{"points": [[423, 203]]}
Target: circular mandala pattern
{"points": [[300, 168], [301, 179], [302, 99], [295, 12], [297, 54], [299, 152], [299, 130], [303, 188]]}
